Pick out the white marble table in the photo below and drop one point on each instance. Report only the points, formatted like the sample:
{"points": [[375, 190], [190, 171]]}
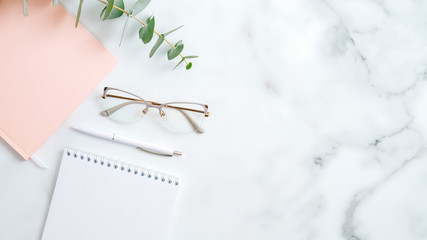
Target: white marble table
{"points": [[317, 127]]}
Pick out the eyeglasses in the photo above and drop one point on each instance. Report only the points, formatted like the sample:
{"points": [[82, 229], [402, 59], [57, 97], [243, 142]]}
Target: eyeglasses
{"points": [[126, 107]]}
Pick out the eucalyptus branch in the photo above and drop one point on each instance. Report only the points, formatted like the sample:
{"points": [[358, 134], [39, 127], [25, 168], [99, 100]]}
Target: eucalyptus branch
{"points": [[144, 24]]}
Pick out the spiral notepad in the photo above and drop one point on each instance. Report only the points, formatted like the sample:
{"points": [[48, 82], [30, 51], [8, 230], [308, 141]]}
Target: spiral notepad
{"points": [[100, 198]]}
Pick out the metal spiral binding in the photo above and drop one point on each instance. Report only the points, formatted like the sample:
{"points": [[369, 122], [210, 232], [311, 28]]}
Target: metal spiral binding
{"points": [[116, 165]]}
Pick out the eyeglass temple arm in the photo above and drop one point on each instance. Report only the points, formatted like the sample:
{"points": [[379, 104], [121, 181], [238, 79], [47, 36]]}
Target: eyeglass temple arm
{"points": [[108, 112], [197, 128]]}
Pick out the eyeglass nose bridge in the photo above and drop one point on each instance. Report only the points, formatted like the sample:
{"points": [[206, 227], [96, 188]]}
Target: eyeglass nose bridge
{"points": [[151, 105]]}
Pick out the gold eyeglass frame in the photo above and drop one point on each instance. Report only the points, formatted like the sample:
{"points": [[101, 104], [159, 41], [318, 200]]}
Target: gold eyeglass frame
{"points": [[159, 106]]}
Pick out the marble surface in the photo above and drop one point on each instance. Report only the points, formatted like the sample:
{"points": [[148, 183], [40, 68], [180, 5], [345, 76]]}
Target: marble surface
{"points": [[317, 127]]}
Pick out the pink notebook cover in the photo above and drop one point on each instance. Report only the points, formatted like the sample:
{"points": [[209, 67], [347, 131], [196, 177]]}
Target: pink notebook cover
{"points": [[47, 68]]}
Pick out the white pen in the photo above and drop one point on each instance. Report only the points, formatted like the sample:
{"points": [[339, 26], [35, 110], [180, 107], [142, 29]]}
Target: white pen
{"points": [[142, 145]]}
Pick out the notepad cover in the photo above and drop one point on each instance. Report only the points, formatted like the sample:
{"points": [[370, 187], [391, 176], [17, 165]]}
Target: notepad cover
{"points": [[94, 199], [47, 68]]}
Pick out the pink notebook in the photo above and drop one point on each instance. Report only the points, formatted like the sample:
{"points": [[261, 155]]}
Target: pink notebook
{"points": [[47, 68]]}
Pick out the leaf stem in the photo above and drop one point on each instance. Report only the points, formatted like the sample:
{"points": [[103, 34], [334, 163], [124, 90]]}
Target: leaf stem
{"points": [[78, 13], [25, 8], [127, 13]]}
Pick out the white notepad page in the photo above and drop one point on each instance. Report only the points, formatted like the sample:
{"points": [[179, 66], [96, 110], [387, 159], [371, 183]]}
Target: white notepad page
{"points": [[97, 198]]}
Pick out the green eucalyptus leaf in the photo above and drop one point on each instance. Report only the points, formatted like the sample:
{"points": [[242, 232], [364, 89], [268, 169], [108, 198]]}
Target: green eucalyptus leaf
{"points": [[110, 5], [143, 35], [150, 26], [117, 13], [79, 11], [114, 13], [139, 6], [123, 31], [173, 53], [146, 32], [157, 44], [142, 30], [25, 8], [171, 31], [55, 2], [102, 13], [188, 57], [189, 65], [182, 60]]}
